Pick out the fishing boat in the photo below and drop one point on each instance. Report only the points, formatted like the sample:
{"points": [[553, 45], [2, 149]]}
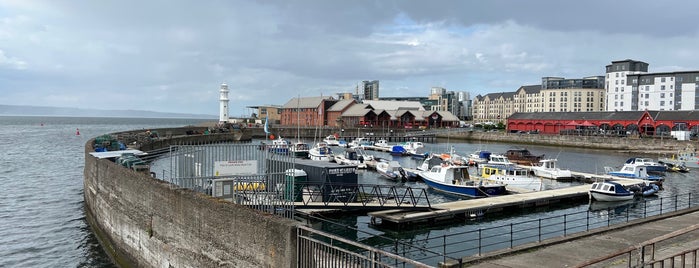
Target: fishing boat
{"points": [[391, 170], [350, 157], [631, 171], [523, 157], [686, 157], [511, 175], [456, 180], [609, 191], [548, 168], [321, 152], [279, 146]]}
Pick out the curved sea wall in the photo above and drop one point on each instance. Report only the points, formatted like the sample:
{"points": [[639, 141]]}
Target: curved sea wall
{"points": [[145, 222]]}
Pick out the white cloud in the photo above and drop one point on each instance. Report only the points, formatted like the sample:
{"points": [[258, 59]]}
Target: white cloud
{"points": [[172, 57]]}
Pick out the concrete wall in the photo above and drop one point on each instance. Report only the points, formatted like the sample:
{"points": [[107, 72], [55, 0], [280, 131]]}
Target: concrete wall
{"points": [[145, 222]]}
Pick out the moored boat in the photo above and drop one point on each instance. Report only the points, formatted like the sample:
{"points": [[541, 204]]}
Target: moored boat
{"points": [[548, 168], [650, 165], [300, 149], [456, 180], [609, 191], [523, 157], [391, 170], [479, 157], [320, 152], [686, 157], [513, 176], [631, 171], [331, 140], [350, 157]]}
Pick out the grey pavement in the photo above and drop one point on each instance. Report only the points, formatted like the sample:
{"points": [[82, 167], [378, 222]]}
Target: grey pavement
{"points": [[580, 248]]}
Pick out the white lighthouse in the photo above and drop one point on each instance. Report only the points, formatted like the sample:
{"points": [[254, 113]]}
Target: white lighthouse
{"points": [[223, 99]]}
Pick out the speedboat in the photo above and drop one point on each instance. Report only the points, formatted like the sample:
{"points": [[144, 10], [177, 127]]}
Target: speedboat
{"points": [[609, 191], [321, 152], [675, 167], [456, 180], [391, 170], [547, 168], [513, 176]]}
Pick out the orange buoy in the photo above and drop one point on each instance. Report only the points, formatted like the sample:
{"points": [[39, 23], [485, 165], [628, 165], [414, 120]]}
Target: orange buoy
{"points": [[271, 136]]}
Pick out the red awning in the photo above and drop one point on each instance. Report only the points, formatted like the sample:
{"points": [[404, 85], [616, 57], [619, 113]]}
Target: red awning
{"points": [[587, 124], [573, 123]]}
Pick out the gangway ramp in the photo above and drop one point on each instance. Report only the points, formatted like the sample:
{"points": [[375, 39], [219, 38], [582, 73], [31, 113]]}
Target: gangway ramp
{"points": [[478, 207]]}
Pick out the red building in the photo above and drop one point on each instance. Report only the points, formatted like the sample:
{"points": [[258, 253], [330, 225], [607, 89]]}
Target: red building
{"points": [[627, 122]]}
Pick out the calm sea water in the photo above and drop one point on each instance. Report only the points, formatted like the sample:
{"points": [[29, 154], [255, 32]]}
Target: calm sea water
{"points": [[42, 219], [42, 222]]}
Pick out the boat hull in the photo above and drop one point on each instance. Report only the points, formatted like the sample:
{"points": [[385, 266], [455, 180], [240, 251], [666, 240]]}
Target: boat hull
{"points": [[610, 197], [464, 190]]}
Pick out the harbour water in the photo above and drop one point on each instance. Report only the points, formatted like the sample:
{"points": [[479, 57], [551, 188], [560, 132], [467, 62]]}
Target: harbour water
{"points": [[42, 222]]}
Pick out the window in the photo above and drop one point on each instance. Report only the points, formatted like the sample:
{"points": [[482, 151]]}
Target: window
{"points": [[662, 79], [646, 103], [662, 95], [670, 94], [622, 82], [634, 81], [617, 74], [662, 103], [662, 87], [616, 82], [647, 88], [671, 86]]}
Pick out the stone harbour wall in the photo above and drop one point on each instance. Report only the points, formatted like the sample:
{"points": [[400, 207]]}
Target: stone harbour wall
{"points": [[145, 222]]}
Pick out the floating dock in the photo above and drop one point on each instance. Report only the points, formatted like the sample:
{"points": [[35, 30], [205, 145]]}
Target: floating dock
{"points": [[478, 207]]}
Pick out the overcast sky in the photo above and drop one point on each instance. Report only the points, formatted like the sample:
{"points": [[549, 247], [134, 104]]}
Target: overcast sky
{"points": [[172, 56]]}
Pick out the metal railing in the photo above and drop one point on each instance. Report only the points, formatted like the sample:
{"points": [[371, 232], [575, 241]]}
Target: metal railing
{"points": [[320, 249], [644, 254], [455, 246]]}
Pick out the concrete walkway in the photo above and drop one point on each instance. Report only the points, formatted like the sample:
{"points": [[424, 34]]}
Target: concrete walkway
{"points": [[575, 250]]}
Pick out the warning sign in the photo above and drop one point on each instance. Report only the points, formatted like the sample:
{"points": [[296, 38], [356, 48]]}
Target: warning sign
{"points": [[236, 167]]}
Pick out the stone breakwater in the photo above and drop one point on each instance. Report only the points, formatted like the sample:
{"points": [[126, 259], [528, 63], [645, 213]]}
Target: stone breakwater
{"points": [[621, 144], [142, 221]]}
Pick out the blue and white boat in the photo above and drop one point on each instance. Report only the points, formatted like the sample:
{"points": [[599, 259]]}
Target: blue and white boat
{"points": [[609, 191], [631, 171], [479, 157], [651, 166], [398, 150], [456, 180], [279, 146], [511, 175]]}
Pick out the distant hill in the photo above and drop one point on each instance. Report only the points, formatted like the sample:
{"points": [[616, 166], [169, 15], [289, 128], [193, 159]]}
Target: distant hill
{"points": [[62, 111]]}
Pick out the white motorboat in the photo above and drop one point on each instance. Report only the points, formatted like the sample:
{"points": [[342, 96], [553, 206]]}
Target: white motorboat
{"points": [[382, 144], [609, 191], [331, 140], [498, 159], [360, 142], [350, 157], [548, 168], [321, 152], [631, 171], [513, 176], [479, 157]]}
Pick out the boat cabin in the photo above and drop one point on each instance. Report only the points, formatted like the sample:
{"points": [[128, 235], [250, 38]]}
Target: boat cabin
{"points": [[452, 174], [488, 170]]}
